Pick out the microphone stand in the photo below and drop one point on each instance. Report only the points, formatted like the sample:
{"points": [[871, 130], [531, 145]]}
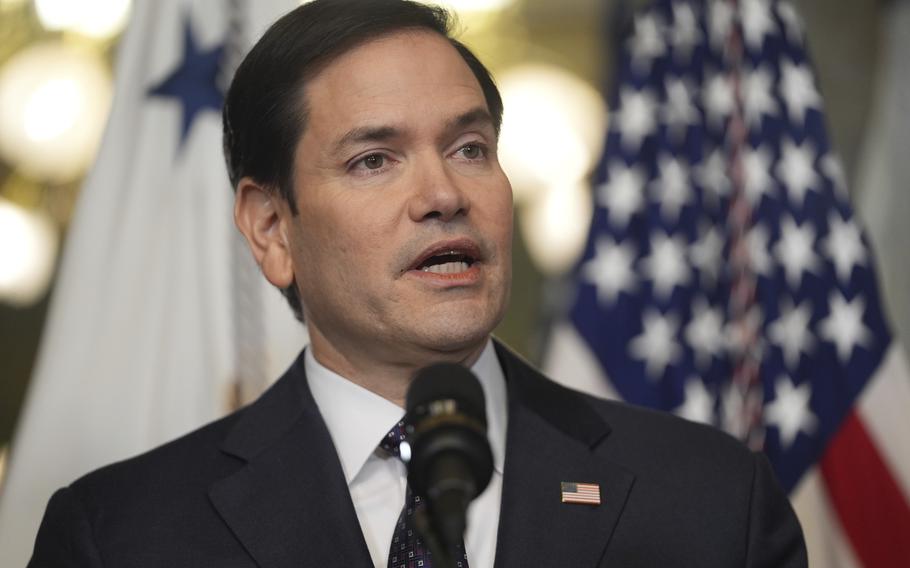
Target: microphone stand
{"points": [[442, 557]]}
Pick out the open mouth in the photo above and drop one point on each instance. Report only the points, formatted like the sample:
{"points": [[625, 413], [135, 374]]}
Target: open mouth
{"points": [[451, 262], [452, 257]]}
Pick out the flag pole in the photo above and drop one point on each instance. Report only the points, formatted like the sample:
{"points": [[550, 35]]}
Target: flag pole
{"points": [[250, 377]]}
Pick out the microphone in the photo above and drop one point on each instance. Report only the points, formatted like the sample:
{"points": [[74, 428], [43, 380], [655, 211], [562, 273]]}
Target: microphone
{"points": [[450, 459]]}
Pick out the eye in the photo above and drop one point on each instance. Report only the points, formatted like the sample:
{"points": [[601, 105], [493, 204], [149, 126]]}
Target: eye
{"points": [[472, 151], [371, 164], [374, 161]]}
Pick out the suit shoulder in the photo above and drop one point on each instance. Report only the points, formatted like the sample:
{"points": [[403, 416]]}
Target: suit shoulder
{"points": [[641, 439], [635, 430], [647, 437], [623, 415], [192, 458]]}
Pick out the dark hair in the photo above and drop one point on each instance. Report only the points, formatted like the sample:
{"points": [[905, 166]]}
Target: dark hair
{"points": [[265, 112]]}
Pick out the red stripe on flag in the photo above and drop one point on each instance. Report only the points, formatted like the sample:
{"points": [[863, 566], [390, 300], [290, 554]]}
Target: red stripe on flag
{"points": [[872, 508]]}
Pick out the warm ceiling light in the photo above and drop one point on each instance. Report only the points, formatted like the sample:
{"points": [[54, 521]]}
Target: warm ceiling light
{"points": [[554, 225], [28, 249], [96, 18], [52, 109], [54, 101], [553, 128]]}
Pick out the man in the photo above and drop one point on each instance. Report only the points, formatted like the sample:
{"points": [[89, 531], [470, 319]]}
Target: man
{"points": [[361, 141]]}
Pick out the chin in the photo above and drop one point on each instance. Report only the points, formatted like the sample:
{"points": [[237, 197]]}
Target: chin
{"points": [[457, 332], [458, 345]]}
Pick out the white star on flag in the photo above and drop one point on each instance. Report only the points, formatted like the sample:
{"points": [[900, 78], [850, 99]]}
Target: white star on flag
{"points": [[678, 112], [720, 18], [704, 333], [757, 244], [746, 333], [792, 22], [833, 169], [671, 186], [756, 173], [795, 251], [796, 172], [711, 174], [790, 412], [756, 22], [798, 89], [706, 254], [656, 345], [844, 246], [685, 34], [790, 331], [844, 326], [757, 98], [623, 193], [666, 266], [647, 43], [718, 99], [698, 404], [610, 270], [636, 116]]}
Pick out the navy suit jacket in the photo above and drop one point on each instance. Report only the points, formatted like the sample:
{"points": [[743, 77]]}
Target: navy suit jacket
{"points": [[264, 488]]}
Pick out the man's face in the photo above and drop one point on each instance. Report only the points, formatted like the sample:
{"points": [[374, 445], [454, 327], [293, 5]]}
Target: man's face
{"points": [[403, 241]]}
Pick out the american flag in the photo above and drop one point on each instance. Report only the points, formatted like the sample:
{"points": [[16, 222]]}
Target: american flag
{"points": [[725, 278], [582, 493]]}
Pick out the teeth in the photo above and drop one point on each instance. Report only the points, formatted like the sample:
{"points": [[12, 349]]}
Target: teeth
{"points": [[447, 268]]}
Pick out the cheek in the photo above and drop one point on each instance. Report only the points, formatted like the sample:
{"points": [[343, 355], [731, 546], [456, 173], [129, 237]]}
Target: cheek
{"points": [[355, 243], [501, 213], [317, 248]]}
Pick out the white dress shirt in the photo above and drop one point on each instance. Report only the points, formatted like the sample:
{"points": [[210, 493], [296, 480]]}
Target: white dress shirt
{"points": [[358, 419]]}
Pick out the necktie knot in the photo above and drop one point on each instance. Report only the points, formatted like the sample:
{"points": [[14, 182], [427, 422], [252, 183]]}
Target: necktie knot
{"points": [[391, 442]]}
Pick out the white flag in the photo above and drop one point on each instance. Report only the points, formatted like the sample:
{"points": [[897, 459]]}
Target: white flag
{"points": [[158, 312]]}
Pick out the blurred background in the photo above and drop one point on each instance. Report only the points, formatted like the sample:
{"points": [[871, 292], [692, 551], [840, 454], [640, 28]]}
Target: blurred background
{"points": [[553, 61], [56, 59]]}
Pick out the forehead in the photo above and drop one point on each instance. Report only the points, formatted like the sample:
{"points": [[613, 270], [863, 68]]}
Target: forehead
{"points": [[394, 78]]}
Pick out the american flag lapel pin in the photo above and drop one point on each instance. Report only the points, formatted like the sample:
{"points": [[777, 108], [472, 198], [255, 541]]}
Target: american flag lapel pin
{"points": [[581, 493]]}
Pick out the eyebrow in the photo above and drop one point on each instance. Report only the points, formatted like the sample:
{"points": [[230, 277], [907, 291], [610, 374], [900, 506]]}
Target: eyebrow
{"points": [[366, 134], [476, 116]]}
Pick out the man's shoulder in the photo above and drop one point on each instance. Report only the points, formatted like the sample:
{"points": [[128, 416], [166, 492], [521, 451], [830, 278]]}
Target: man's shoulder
{"points": [[190, 461], [208, 453], [161, 504], [675, 460], [653, 443], [639, 425], [647, 437]]}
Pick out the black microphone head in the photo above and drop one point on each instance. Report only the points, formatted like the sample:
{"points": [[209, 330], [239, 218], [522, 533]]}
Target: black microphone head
{"points": [[450, 459], [450, 382]]}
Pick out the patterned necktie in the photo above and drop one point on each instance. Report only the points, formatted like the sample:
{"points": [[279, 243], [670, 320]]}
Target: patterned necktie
{"points": [[407, 549]]}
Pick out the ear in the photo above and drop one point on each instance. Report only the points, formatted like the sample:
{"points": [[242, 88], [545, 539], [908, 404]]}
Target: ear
{"points": [[260, 215]]}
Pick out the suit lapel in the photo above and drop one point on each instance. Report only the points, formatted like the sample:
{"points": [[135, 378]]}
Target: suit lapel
{"points": [[291, 493], [553, 436], [289, 504]]}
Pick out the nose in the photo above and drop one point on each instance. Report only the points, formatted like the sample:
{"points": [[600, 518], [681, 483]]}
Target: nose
{"points": [[437, 193]]}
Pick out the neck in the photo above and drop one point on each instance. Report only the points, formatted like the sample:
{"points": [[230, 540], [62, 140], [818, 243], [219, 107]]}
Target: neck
{"points": [[390, 374]]}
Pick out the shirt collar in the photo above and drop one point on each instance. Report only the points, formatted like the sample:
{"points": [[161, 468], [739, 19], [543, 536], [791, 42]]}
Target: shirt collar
{"points": [[358, 418]]}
